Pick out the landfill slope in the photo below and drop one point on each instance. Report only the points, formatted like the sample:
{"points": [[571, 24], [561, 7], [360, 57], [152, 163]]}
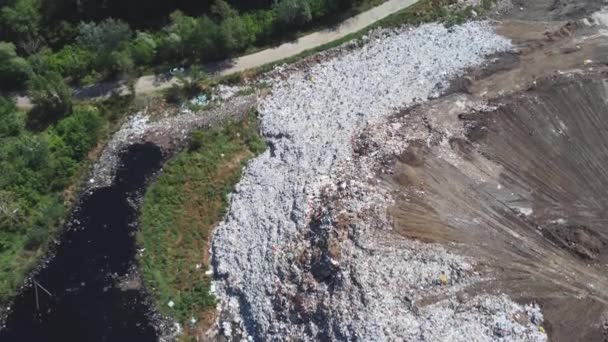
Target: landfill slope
{"points": [[305, 251]]}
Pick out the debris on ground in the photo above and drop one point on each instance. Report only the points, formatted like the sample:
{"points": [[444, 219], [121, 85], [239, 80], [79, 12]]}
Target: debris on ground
{"points": [[305, 250], [169, 133]]}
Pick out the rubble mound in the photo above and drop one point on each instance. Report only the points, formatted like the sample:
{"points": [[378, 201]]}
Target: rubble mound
{"points": [[307, 250]]}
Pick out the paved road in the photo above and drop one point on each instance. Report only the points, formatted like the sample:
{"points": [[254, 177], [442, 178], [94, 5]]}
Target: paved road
{"points": [[152, 83]]}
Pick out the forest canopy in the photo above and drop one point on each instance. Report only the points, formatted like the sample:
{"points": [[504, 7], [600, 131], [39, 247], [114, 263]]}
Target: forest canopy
{"points": [[86, 41]]}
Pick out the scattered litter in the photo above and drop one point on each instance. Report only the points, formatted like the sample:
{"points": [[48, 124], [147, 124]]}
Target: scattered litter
{"points": [[176, 71], [171, 304], [444, 279], [200, 100], [227, 327]]}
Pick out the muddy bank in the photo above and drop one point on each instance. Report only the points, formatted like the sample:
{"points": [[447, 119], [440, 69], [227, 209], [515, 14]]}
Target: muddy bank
{"points": [[88, 288]]}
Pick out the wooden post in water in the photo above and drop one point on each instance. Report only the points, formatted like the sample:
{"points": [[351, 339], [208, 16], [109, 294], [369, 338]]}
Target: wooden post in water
{"points": [[36, 292], [36, 286]]}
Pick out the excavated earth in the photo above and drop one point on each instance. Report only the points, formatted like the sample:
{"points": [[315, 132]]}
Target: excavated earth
{"points": [[519, 185], [431, 184], [513, 170]]}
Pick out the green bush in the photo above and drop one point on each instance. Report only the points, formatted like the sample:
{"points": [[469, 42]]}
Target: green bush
{"points": [[80, 131], [119, 62], [293, 12], [35, 238], [14, 70], [222, 10], [175, 95], [206, 40], [260, 25], [22, 20], [197, 140], [72, 62], [143, 49], [104, 37], [52, 99], [36, 169], [233, 35], [13, 121]]}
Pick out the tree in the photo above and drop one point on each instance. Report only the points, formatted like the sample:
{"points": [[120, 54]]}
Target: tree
{"points": [[181, 33], [12, 120], [27, 151], [233, 35], [109, 40], [79, 131], [223, 10], [52, 99], [22, 19], [260, 24], [14, 70], [293, 12], [119, 62], [104, 37], [71, 61], [143, 48], [205, 39]]}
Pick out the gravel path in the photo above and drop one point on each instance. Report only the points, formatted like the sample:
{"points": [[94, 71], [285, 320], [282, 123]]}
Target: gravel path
{"points": [[278, 216]]}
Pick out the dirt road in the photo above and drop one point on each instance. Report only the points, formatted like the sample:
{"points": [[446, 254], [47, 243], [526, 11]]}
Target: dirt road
{"points": [[151, 83]]}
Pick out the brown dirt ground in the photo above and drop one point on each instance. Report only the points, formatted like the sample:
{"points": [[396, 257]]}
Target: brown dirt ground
{"points": [[545, 149]]}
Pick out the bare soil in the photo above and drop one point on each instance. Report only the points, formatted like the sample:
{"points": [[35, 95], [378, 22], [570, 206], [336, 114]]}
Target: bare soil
{"points": [[543, 10], [521, 183]]}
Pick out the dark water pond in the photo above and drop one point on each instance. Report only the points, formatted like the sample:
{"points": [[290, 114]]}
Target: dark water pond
{"points": [[96, 250]]}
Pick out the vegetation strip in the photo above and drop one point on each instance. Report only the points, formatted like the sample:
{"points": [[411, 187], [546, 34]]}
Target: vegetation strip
{"points": [[179, 212], [424, 11], [41, 163], [84, 42]]}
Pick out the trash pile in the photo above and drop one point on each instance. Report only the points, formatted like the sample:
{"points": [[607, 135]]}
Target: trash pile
{"points": [[169, 133], [305, 251]]}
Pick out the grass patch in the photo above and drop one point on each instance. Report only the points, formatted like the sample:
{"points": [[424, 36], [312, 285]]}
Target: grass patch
{"points": [[178, 214]]}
